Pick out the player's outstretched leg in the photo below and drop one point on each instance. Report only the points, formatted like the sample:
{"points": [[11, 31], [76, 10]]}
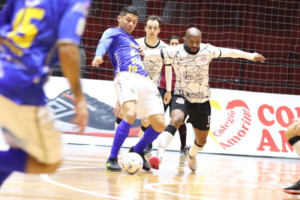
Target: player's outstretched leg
{"points": [[293, 189], [121, 134], [148, 148], [164, 140]]}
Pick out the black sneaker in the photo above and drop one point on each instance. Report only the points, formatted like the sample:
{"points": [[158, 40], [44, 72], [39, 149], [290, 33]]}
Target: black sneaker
{"points": [[101, 118], [293, 189], [148, 149], [146, 165], [113, 165], [182, 152]]}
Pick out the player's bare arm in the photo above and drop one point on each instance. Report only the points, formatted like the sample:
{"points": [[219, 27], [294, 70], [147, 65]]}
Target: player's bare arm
{"points": [[70, 58], [168, 77], [97, 61], [235, 53]]}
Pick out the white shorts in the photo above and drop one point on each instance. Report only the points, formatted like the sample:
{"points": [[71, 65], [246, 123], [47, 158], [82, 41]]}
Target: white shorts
{"points": [[132, 86], [32, 129]]}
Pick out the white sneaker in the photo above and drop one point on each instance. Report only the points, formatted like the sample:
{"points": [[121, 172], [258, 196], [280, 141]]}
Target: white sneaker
{"points": [[192, 159]]}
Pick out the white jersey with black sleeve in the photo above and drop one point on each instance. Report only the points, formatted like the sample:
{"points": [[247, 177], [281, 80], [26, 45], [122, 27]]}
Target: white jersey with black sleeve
{"points": [[153, 65], [191, 69]]}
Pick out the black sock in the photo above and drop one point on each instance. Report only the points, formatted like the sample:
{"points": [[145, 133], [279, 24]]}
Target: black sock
{"points": [[171, 129], [118, 120]]}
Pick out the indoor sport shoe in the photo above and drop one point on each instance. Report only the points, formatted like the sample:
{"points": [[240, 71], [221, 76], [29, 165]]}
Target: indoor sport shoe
{"points": [[192, 159], [293, 189], [146, 165], [148, 149], [182, 152], [113, 165], [155, 162]]}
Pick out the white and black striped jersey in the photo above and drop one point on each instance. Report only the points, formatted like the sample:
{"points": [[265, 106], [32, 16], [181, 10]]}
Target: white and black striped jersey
{"points": [[191, 69], [153, 65]]}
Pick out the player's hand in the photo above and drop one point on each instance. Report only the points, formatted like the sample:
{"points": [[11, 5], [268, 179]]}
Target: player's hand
{"points": [[117, 110], [167, 97], [258, 57], [97, 61], [81, 115], [142, 54]]}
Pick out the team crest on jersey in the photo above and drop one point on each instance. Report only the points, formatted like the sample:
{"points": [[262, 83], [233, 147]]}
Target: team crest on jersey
{"points": [[180, 100]]}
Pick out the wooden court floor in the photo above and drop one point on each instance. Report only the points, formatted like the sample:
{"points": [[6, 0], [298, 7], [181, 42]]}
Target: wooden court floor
{"points": [[82, 176]]}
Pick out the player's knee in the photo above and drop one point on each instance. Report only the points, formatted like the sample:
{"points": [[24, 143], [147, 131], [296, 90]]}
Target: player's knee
{"points": [[176, 121], [129, 117], [159, 126]]}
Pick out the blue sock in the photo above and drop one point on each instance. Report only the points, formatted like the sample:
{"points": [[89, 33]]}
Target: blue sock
{"points": [[122, 133], [13, 160], [4, 176], [149, 136]]}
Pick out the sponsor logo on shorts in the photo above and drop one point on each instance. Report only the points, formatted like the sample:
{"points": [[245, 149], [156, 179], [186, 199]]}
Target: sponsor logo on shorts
{"points": [[180, 100]]}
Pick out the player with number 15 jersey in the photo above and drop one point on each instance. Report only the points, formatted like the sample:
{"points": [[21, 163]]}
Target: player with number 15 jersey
{"points": [[29, 43]]}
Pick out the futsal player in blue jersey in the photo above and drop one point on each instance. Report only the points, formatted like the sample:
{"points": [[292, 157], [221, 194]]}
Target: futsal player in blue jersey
{"points": [[138, 95], [33, 35]]}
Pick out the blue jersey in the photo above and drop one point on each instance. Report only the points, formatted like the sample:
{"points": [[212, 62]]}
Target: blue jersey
{"points": [[29, 33], [123, 51]]}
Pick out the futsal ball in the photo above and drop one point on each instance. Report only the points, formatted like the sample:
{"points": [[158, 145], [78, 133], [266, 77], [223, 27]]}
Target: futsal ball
{"points": [[132, 163]]}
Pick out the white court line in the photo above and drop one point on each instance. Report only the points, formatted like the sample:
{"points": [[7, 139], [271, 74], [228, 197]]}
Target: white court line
{"points": [[151, 185], [46, 178]]}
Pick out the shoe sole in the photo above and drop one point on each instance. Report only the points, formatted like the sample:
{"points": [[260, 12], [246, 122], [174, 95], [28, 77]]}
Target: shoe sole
{"points": [[154, 162], [292, 192], [113, 170]]}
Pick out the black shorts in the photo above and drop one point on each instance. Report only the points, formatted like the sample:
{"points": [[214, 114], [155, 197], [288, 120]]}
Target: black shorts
{"points": [[162, 94], [199, 115], [178, 102]]}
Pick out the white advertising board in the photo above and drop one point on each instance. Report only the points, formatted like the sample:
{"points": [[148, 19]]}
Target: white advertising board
{"points": [[243, 123]]}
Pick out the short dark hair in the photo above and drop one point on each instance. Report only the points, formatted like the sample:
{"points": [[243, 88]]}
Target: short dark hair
{"points": [[129, 9], [152, 18], [173, 37]]}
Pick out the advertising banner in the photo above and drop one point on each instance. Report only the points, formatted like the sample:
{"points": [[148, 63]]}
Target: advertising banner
{"points": [[242, 123]]}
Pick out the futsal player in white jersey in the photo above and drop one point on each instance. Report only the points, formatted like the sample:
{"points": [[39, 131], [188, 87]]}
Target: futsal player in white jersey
{"points": [[191, 94], [293, 137], [153, 65]]}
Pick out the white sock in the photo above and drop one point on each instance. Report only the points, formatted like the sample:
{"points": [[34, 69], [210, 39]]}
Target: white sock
{"points": [[296, 146], [165, 139], [194, 150]]}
